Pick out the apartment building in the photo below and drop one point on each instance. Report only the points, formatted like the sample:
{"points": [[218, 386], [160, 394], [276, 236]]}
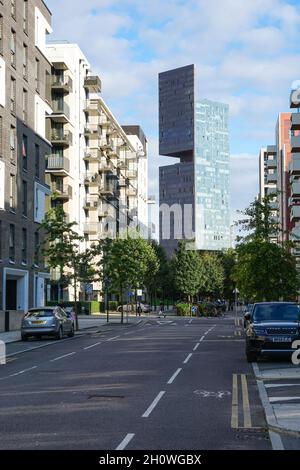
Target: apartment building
{"points": [[97, 170], [24, 104], [195, 192]]}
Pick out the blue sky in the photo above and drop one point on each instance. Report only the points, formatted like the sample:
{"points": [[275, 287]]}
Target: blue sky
{"points": [[247, 53]]}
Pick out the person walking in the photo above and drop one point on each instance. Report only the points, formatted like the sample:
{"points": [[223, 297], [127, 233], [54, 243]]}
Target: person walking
{"points": [[139, 310]]}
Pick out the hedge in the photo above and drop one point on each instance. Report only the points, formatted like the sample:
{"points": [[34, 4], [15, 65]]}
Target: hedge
{"points": [[183, 309]]}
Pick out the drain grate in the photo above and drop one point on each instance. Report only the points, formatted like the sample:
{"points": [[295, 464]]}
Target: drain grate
{"points": [[260, 434]]}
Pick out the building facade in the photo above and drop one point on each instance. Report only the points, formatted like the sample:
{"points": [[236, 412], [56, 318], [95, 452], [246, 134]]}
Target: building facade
{"points": [[24, 103], [97, 169], [195, 192]]}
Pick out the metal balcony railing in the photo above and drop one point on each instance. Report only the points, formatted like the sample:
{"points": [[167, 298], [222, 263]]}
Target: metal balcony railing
{"points": [[57, 162], [59, 107]]}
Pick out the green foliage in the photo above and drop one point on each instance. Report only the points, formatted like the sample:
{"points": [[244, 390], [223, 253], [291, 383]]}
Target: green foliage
{"points": [[228, 259], [183, 309], [266, 272], [187, 270], [211, 275], [112, 305]]}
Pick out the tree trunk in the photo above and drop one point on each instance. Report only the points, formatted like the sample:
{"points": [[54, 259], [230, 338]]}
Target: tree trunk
{"points": [[76, 304], [121, 303]]}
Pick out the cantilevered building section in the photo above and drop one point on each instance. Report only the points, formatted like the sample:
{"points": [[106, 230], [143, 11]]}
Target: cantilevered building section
{"points": [[195, 192]]}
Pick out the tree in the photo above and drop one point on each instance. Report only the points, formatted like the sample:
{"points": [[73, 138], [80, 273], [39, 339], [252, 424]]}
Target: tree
{"points": [[211, 275], [159, 284], [187, 269], [228, 259], [62, 250], [264, 270], [126, 262]]}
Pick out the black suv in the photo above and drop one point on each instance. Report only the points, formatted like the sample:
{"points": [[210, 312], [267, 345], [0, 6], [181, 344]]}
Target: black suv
{"points": [[271, 328]]}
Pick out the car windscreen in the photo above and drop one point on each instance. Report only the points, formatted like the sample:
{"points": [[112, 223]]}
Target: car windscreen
{"points": [[280, 312], [40, 313]]}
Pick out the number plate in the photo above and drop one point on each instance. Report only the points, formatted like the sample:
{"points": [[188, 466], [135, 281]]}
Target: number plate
{"points": [[38, 322], [282, 339]]}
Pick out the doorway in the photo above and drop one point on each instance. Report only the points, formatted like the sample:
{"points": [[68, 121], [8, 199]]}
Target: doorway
{"points": [[11, 294]]}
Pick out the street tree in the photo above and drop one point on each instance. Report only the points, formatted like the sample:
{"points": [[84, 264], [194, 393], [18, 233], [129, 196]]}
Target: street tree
{"points": [[187, 268]]}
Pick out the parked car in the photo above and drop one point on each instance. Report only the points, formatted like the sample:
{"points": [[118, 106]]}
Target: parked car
{"points": [[132, 308], [46, 321], [271, 329]]}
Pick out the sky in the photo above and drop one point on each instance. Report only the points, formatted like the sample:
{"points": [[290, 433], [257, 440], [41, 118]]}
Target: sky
{"points": [[247, 53]]}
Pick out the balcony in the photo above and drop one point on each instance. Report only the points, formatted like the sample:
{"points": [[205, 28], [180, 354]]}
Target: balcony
{"points": [[62, 192], [295, 121], [271, 163], [92, 131], [107, 188], [295, 188], [132, 174], [106, 166], [61, 111], [122, 164], [103, 210], [295, 213], [61, 138], [123, 182], [295, 143], [294, 166], [271, 150], [64, 84], [272, 177], [92, 107], [91, 155], [92, 83], [273, 205], [104, 121], [91, 203], [91, 178], [92, 228], [58, 164], [132, 192]]}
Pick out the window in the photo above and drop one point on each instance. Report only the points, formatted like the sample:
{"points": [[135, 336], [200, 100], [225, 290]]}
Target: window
{"points": [[25, 16], [24, 152], [13, 95], [25, 105], [12, 139], [2, 185], [12, 192], [37, 75], [1, 136], [24, 246], [1, 238], [13, 48], [2, 83], [24, 198], [37, 161], [1, 34], [25, 62], [13, 8], [12, 247], [36, 248]]}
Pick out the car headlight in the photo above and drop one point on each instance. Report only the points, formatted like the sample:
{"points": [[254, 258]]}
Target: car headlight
{"points": [[259, 331]]}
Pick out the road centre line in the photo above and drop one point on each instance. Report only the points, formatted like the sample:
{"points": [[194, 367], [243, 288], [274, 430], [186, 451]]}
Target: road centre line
{"points": [[187, 358], [61, 357], [174, 376], [196, 347], [153, 405], [93, 345], [202, 338], [125, 441]]}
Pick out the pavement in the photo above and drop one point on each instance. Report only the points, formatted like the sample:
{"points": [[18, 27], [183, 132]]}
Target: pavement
{"points": [[154, 383]]}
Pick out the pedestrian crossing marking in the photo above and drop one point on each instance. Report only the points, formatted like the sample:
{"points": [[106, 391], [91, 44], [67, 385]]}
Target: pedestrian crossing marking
{"points": [[237, 333], [247, 421]]}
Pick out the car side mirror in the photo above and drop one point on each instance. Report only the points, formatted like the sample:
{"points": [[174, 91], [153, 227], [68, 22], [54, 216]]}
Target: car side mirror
{"points": [[247, 317]]}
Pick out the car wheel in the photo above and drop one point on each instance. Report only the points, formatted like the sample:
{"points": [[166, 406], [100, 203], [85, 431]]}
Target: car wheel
{"points": [[251, 357], [71, 334], [59, 334], [24, 337]]}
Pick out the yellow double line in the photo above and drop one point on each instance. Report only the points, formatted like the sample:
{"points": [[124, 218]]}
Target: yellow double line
{"points": [[247, 422]]}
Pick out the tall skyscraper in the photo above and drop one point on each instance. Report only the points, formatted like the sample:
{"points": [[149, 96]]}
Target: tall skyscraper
{"points": [[195, 192]]}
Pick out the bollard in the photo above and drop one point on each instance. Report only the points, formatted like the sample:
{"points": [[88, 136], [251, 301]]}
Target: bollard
{"points": [[6, 320]]}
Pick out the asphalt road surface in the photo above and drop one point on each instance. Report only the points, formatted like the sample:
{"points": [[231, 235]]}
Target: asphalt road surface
{"points": [[169, 384]]}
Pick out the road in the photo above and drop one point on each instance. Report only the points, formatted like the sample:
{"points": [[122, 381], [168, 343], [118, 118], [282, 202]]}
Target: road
{"points": [[174, 383]]}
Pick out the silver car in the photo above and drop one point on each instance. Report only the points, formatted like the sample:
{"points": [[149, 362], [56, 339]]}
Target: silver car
{"points": [[46, 321]]}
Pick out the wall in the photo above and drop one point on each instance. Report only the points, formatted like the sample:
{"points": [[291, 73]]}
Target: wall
{"points": [[15, 319]]}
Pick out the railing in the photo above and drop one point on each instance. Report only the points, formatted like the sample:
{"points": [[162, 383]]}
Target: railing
{"points": [[93, 129], [65, 137], [92, 105], [93, 82], [62, 82], [62, 191], [61, 108], [57, 162]]}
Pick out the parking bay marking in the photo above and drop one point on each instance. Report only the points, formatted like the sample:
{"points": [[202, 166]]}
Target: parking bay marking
{"points": [[62, 357]]}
